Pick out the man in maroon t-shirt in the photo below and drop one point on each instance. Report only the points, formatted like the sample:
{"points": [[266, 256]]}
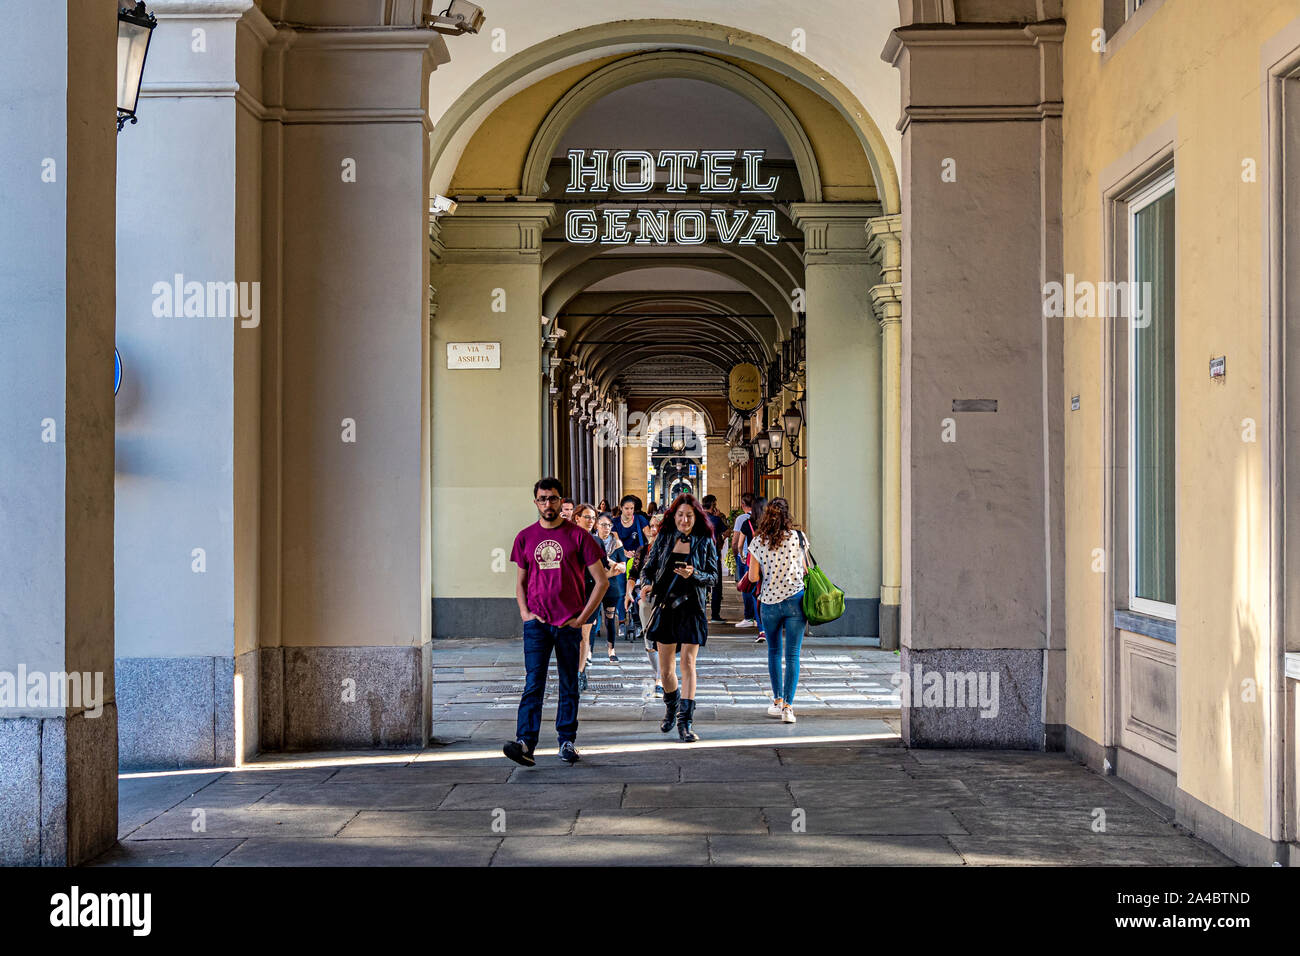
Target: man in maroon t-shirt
{"points": [[551, 589]]}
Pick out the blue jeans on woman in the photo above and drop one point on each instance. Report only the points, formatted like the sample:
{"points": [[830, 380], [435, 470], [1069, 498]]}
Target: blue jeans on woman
{"points": [[784, 620], [751, 608]]}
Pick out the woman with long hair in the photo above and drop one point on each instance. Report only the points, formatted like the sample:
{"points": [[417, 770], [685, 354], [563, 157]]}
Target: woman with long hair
{"points": [[613, 600], [779, 553], [584, 516], [679, 575], [650, 533], [752, 617]]}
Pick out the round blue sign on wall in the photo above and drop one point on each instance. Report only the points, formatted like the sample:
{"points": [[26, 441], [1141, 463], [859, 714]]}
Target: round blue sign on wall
{"points": [[117, 371]]}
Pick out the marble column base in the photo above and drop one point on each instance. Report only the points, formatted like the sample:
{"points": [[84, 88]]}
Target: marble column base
{"points": [[1016, 722], [58, 802]]}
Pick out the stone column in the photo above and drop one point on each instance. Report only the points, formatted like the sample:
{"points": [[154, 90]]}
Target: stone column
{"points": [[58, 752], [981, 430], [486, 440], [883, 235], [571, 480], [345, 661], [843, 427], [191, 319]]}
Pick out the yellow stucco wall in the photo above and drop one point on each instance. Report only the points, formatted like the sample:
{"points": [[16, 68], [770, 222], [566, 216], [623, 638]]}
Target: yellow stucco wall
{"points": [[1197, 64], [493, 160]]}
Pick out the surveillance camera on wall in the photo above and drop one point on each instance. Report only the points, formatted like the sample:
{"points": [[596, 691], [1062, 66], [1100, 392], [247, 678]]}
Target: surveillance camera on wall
{"points": [[459, 17], [442, 206]]}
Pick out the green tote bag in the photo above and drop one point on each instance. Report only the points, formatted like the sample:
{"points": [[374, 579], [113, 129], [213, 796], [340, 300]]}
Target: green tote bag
{"points": [[823, 602]]}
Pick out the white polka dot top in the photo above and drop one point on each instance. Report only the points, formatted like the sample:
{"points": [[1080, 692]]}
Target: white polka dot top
{"points": [[783, 567]]}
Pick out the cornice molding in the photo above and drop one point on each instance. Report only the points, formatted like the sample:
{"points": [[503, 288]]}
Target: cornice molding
{"points": [[496, 232], [834, 233]]}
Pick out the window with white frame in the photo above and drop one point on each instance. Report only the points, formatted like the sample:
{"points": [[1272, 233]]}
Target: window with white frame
{"points": [[1151, 395]]}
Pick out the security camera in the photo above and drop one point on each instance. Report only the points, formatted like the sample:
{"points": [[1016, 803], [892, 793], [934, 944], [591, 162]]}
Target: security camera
{"points": [[442, 206], [459, 17]]}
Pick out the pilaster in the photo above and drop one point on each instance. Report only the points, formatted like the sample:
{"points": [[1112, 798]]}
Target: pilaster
{"points": [[843, 406]]}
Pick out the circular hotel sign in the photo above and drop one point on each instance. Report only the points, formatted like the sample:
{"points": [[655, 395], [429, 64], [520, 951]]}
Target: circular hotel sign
{"points": [[745, 387]]}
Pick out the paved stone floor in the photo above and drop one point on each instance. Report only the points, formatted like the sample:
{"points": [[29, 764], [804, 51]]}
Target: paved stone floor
{"points": [[837, 787]]}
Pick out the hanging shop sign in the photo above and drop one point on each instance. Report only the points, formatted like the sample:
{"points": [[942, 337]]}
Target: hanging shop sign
{"points": [[473, 355], [634, 171], [745, 387]]}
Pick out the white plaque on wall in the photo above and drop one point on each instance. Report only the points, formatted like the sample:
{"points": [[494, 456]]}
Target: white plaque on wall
{"points": [[473, 355]]}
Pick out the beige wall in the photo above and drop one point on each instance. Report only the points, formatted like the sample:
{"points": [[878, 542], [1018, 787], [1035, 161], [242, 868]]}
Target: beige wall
{"points": [[1196, 65], [487, 446]]}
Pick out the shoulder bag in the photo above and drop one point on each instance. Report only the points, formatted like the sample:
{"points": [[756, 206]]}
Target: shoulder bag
{"points": [[823, 602]]}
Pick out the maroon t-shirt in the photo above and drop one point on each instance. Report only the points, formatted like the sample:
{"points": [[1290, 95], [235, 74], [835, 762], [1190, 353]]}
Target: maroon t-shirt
{"points": [[555, 561]]}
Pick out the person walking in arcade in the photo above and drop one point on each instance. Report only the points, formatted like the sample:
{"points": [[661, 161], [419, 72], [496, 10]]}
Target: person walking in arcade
{"points": [[679, 576], [555, 557]]}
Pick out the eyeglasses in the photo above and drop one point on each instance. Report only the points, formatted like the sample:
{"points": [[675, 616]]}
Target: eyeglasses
{"points": [[543, 499]]}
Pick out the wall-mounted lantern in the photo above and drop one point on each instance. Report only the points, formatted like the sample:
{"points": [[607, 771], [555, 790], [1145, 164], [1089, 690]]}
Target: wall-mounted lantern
{"points": [[134, 30]]}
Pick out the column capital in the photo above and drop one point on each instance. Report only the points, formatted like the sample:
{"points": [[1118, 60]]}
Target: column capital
{"points": [[496, 232], [885, 245], [834, 232]]}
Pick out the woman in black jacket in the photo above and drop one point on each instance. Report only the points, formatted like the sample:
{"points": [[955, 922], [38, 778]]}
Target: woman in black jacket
{"points": [[679, 575]]}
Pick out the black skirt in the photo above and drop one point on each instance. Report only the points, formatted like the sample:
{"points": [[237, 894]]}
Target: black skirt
{"points": [[683, 624]]}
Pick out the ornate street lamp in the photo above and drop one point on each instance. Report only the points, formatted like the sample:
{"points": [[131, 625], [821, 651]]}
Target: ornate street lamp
{"points": [[764, 444], [774, 437], [134, 30], [793, 421]]}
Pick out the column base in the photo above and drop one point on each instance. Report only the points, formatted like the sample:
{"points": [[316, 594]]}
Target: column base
{"points": [[945, 718], [861, 618], [58, 805], [306, 702], [175, 712], [888, 626]]}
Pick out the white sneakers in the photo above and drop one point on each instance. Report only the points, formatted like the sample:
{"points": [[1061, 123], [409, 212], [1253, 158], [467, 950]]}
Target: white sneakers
{"points": [[746, 623], [776, 708], [787, 714]]}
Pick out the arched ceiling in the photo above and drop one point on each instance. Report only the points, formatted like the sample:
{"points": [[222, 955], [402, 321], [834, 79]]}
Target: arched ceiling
{"points": [[667, 319]]}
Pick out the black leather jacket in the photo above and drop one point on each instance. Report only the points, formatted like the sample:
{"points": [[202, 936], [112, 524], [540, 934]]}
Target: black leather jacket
{"points": [[704, 558]]}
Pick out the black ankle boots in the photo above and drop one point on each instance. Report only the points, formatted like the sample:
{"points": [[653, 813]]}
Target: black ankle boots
{"points": [[685, 717], [670, 709]]}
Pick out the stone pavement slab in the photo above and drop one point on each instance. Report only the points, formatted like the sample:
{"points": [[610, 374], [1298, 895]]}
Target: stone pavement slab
{"points": [[370, 851], [1098, 850], [824, 850], [1122, 818], [669, 821], [869, 794], [542, 796], [196, 852], [889, 821], [179, 824], [455, 823], [604, 851], [356, 796], [739, 794]]}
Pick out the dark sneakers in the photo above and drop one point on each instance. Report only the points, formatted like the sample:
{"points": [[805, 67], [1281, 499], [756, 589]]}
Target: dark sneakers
{"points": [[569, 753], [520, 753]]}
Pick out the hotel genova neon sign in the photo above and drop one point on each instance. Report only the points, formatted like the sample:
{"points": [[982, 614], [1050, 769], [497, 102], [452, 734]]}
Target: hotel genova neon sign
{"points": [[633, 171]]}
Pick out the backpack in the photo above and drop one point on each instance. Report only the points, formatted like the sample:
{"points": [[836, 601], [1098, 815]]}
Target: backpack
{"points": [[823, 602]]}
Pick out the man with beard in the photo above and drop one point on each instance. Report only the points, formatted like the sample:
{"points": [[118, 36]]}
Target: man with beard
{"points": [[552, 556]]}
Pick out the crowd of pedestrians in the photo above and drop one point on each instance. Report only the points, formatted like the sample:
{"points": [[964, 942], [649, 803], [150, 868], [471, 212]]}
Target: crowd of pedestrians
{"points": [[656, 576]]}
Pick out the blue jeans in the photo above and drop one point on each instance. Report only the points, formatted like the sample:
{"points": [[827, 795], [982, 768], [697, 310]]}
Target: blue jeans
{"points": [[778, 619], [618, 588], [539, 640], [751, 608]]}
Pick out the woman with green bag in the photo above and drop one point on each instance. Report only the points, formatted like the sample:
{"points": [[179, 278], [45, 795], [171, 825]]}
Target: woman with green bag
{"points": [[781, 561]]}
